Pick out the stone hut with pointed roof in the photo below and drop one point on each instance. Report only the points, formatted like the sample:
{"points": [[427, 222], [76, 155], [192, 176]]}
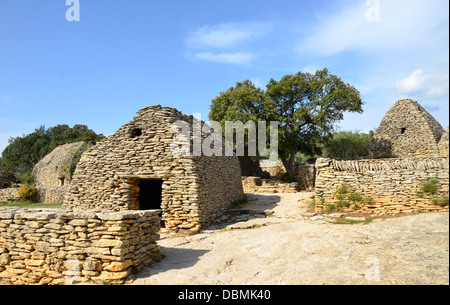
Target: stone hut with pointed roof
{"points": [[136, 169], [407, 130], [443, 144], [53, 172], [55, 168]]}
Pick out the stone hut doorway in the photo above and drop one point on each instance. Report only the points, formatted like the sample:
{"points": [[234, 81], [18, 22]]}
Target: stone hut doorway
{"points": [[150, 195]]}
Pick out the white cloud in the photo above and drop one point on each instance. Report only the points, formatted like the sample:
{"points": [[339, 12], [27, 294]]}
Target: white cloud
{"points": [[403, 55], [423, 84], [401, 25], [233, 58], [229, 43], [225, 35]]}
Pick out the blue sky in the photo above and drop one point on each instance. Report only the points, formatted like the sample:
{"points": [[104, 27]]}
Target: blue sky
{"points": [[124, 55]]}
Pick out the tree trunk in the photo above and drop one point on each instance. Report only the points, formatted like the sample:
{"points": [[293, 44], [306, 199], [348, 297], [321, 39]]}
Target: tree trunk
{"points": [[289, 163]]}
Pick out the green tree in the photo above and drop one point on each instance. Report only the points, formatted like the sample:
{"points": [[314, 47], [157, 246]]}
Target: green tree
{"points": [[307, 107], [347, 145], [23, 152], [243, 102]]}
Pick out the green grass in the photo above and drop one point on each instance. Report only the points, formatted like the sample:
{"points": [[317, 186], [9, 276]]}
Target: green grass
{"points": [[30, 205], [351, 221]]}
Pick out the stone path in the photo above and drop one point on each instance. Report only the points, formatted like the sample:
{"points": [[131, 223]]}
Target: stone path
{"points": [[293, 246]]}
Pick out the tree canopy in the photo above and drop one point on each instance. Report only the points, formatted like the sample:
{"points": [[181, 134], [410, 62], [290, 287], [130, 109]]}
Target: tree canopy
{"points": [[23, 152], [307, 107]]}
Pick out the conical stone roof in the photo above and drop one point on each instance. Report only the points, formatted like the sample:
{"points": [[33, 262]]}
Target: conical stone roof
{"points": [[407, 129]]}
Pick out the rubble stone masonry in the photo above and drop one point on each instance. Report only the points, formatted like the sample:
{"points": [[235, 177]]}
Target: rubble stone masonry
{"points": [[386, 186], [59, 246]]}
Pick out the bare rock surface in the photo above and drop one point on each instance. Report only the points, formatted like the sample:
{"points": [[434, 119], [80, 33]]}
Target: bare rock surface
{"points": [[276, 239]]}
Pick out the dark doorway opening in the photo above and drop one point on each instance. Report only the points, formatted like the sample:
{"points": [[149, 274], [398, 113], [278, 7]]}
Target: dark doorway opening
{"points": [[150, 195]]}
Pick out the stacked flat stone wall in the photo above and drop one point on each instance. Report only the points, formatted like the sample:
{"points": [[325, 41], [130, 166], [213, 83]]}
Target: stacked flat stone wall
{"points": [[52, 194], [219, 185], [58, 246], [387, 186], [9, 195], [306, 175], [270, 186], [274, 168]]}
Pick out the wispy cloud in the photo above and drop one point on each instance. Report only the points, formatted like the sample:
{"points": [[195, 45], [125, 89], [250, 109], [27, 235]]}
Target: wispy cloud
{"points": [[226, 43], [400, 24], [225, 35], [403, 54], [233, 58], [423, 84]]}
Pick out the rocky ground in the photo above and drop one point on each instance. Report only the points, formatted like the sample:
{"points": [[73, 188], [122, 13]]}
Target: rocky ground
{"points": [[275, 239]]}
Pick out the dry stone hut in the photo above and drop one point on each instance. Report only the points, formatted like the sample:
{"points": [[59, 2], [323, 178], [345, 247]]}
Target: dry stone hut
{"points": [[55, 168], [443, 144], [54, 171], [407, 130], [135, 169]]}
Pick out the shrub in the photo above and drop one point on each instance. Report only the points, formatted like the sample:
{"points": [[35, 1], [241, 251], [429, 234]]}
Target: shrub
{"points": [[431, 186], [28, 193], [355, 197], [288, 178], [345, 198], [329, 208], [27, 178], [441, 201], [348, 145], [343, 204], [343, 189], [368, 200]]}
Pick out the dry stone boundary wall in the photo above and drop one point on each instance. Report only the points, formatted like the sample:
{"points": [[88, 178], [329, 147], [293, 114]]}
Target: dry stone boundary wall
{"points": [[391, 184], [60, 246]]}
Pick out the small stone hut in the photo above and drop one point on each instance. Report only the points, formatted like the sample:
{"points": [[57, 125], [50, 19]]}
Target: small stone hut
{"points": [[53, 172], [135, 169], [443, 144], [407, 130], [55, 168]]}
